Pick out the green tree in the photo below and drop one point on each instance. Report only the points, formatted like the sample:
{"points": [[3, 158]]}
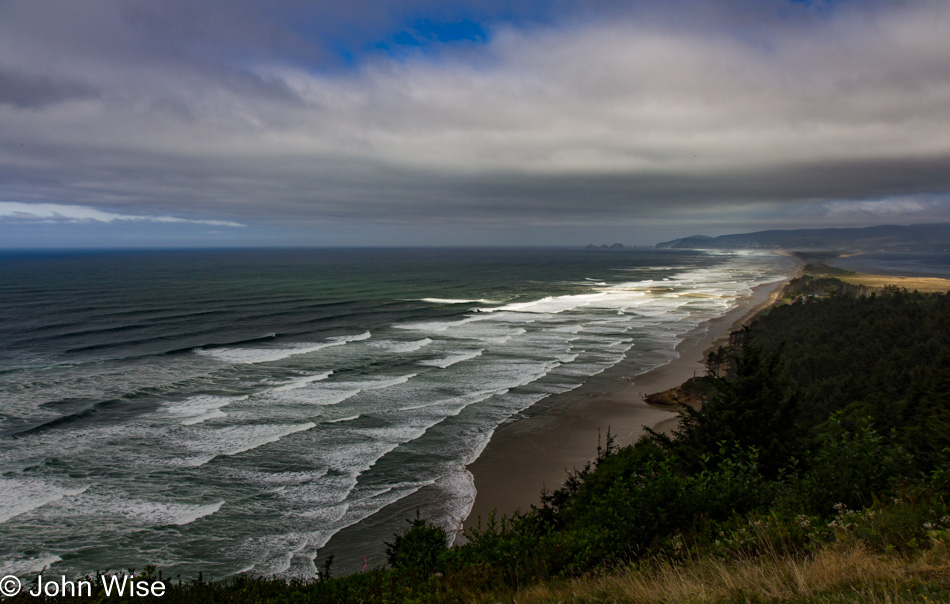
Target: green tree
{"points": [[421, 549], [752, 407]]}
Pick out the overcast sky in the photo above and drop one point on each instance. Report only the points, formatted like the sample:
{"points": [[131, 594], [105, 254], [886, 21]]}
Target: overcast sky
{"points": [[432, 122]]}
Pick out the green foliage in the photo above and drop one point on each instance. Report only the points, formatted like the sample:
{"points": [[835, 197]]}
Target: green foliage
{"points": [[420, 550], [908, 521], [753, 407], [630, 511], [851, 467], [510, 547], [886, 355], [820, 283]]}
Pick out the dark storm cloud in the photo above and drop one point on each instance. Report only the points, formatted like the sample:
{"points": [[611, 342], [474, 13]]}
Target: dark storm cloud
{"points": [[28, 91], [596, 113]]}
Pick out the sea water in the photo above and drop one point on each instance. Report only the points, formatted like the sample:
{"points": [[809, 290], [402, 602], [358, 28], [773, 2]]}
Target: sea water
{"points": [[231, 411]]}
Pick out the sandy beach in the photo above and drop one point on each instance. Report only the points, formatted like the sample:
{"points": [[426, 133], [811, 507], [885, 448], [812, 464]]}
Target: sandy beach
{"points": [[560, 433]]}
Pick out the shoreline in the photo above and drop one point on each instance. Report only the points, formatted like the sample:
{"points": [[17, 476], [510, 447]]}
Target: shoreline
{"points": [[561, 432]]}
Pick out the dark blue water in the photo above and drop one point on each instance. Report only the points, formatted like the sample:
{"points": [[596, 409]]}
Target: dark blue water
{"points": [[227, 411], [908, 264]]}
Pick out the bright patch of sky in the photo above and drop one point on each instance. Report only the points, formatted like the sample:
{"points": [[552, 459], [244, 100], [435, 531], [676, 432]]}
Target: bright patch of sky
{"points": [[51, 212]]}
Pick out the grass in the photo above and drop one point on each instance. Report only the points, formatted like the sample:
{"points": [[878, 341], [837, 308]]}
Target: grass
{"points": [[834, 574], [923, 284]]}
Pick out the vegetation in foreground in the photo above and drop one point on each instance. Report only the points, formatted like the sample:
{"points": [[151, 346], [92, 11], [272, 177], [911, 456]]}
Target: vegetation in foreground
{"points": [[817, 470]]}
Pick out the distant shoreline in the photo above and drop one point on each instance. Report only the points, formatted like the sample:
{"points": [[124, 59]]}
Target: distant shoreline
{"points": [[561, 434]]}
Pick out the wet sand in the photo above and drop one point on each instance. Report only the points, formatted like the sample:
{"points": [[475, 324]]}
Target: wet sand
{"points": [[560, 433]]}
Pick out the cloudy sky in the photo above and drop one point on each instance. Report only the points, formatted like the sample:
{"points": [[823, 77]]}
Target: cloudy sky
{"points": [[434, 122]]}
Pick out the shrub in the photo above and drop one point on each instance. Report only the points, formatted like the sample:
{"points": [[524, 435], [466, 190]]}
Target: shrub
{"points": [[850, 467], [420, 550]]}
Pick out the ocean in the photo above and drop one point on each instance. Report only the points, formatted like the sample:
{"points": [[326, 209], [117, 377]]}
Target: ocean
{"points": [[232, 410]]}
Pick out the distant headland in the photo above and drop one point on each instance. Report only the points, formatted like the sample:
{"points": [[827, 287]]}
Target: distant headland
{"points": [[612, 246], [883, 238]]}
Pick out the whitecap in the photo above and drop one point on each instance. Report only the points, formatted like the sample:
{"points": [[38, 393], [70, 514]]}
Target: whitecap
{"points": [[334, 393], [28, 566], [135, 512], [451, 359], [436, 326], [200, 408], [18, 496], [402, 346], [248, 356], [302, 382], [458, 401], [233, 440], [459, 301], [550, 304], [276, 478], [341, 420]]}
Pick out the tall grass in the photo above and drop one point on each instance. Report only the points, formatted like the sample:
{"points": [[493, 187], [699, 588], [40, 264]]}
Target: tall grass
{"points": [[843, 573]]}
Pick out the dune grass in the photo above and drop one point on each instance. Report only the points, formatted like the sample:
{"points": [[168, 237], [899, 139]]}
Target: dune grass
{"points": [[921, 284], [837, 573]]}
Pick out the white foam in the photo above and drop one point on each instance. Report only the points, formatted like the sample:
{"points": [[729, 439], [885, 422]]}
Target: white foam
{"points": [[486, 328], [569, 328], [276, 478], [460, 401], [279, 551], [459, 489], [18, 496], [388, 382], [451, 359], [302, 382], [327, 514], [402, 346], [435, 326], [459, 301], [335, 393], [326, 394], [363, 505], [196, 512], [281, 431], [200, 408], [518, 331], [342, 419], [233, 440], [241, 571], [248, 356], [550, 304], [27, 566], [139, 512]]}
